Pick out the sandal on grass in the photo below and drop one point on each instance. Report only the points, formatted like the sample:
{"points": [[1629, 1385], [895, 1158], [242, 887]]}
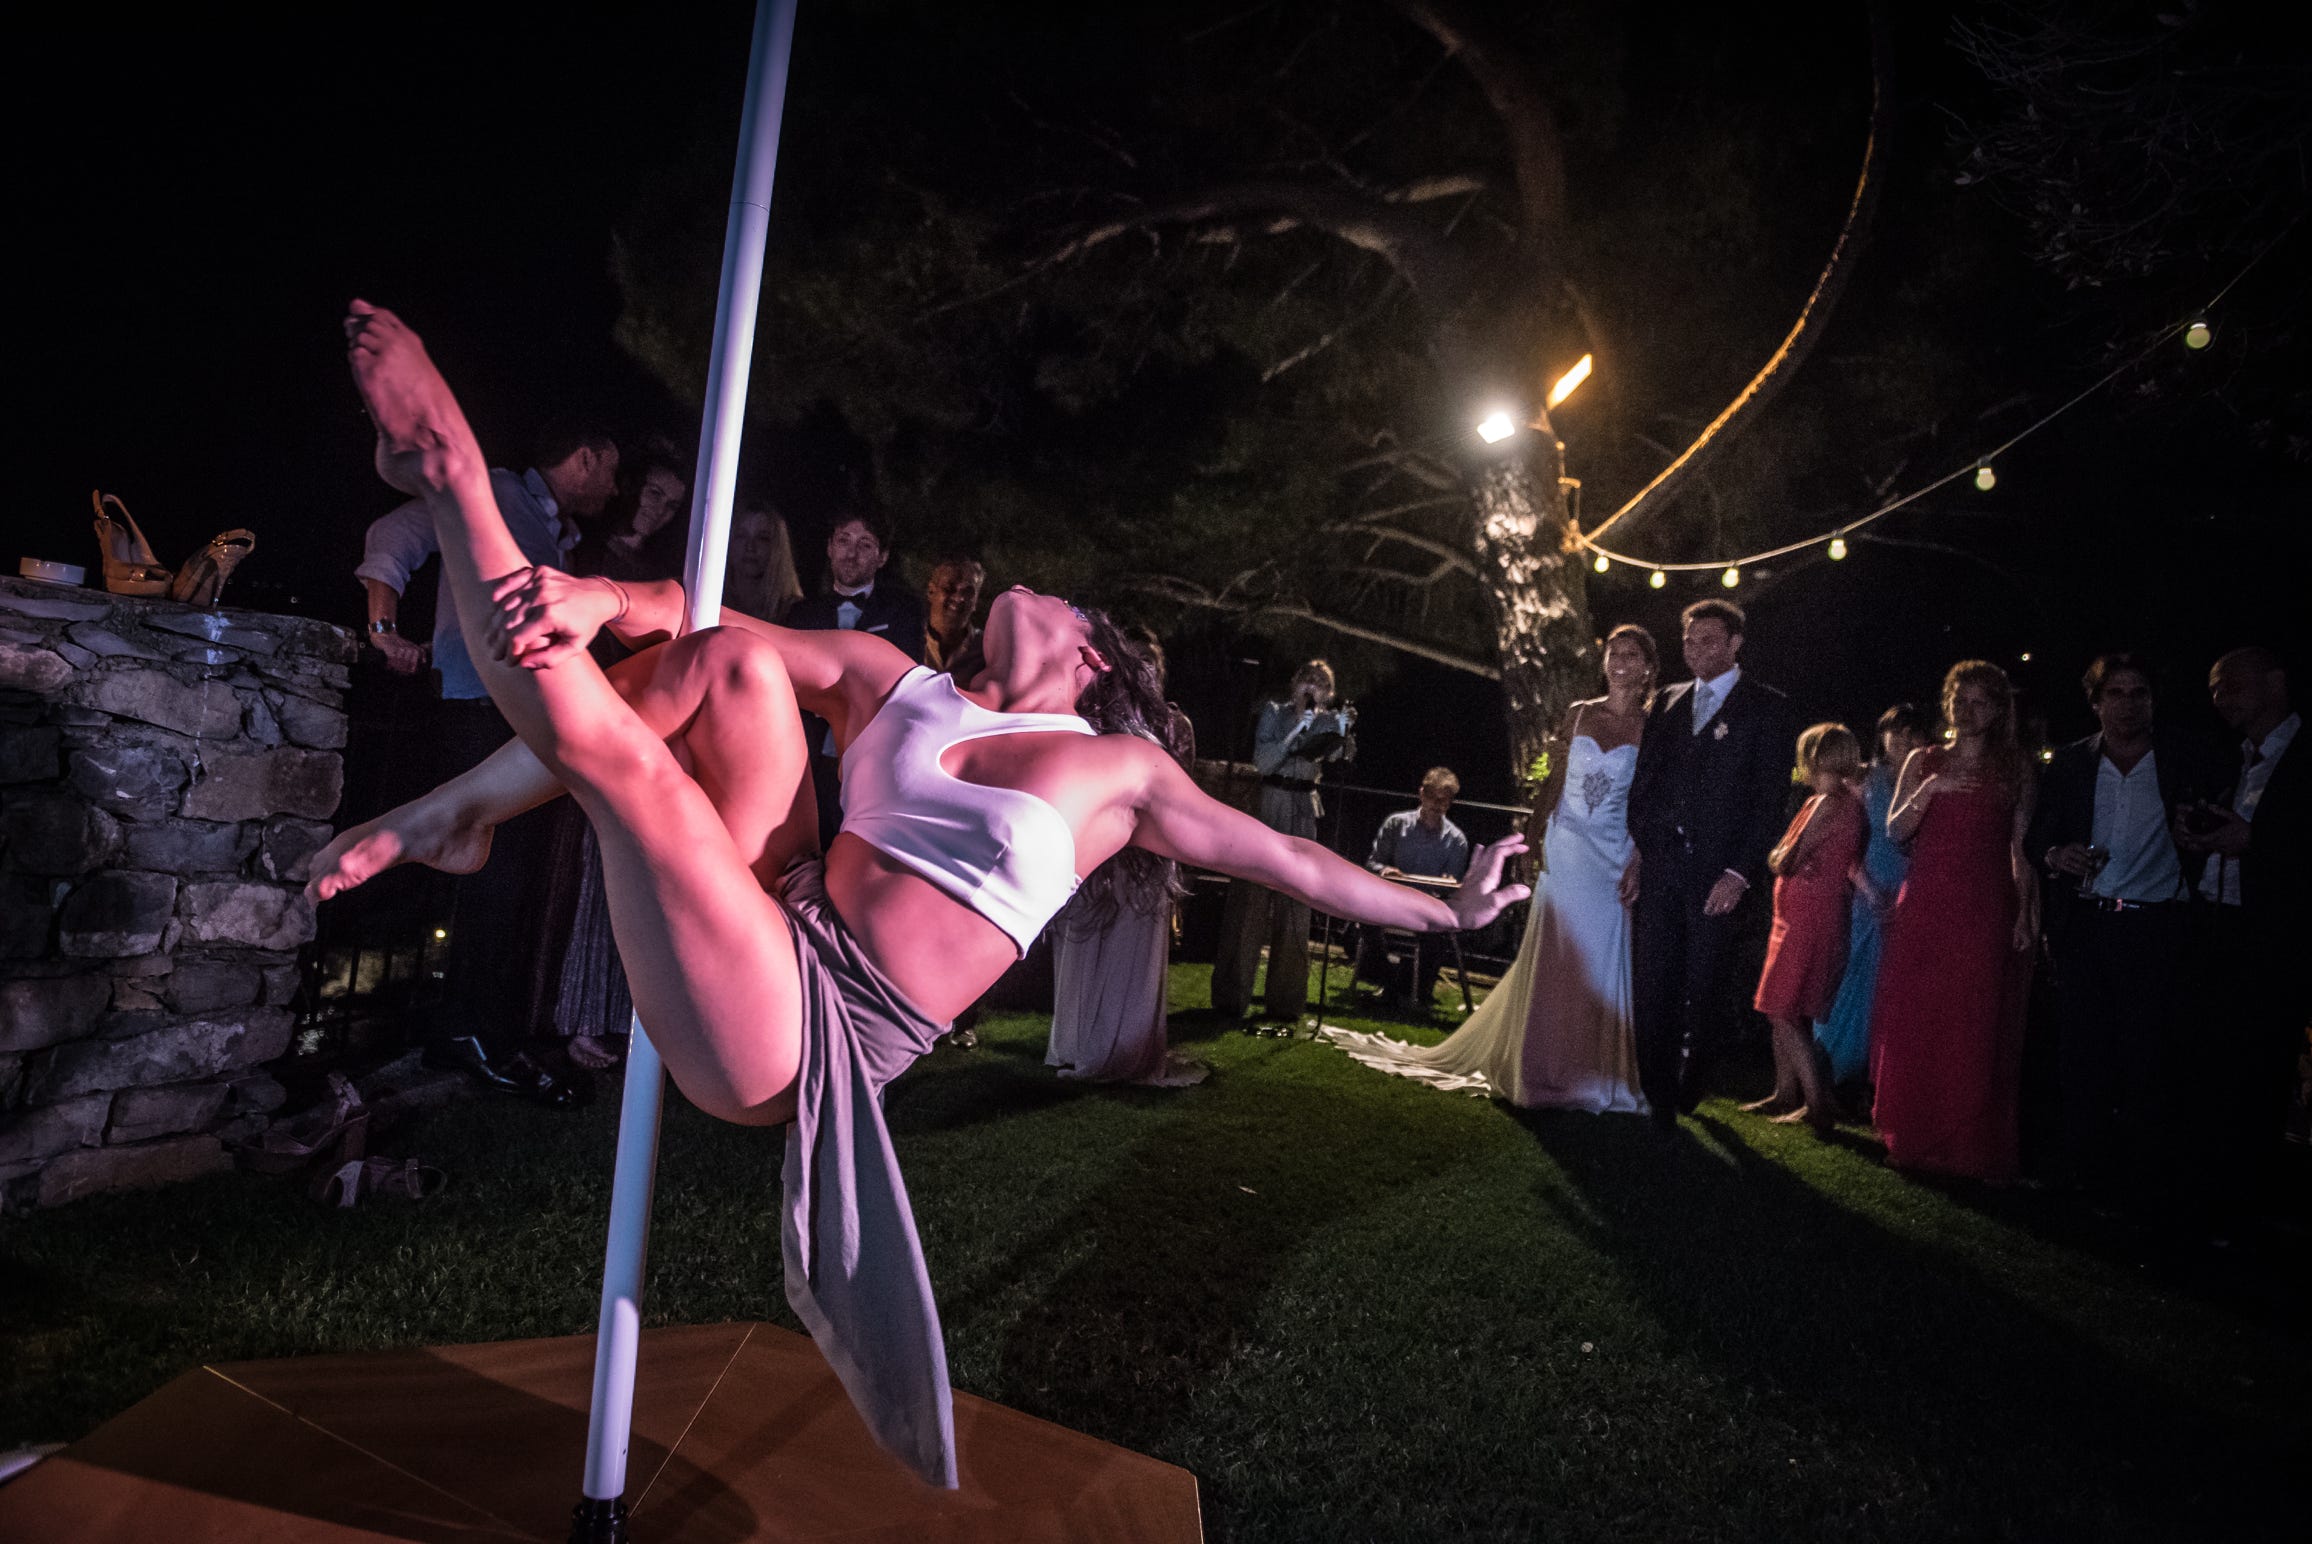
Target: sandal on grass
{"points": [[338, 1126], [404, 1179]]}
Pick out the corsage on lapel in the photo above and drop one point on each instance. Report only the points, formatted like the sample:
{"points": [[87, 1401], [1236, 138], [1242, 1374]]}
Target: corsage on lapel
{"points": [[1719, 733]]}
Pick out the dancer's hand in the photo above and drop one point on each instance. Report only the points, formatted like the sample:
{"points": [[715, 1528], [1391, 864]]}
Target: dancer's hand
{"points": [[545, 616], [1627, 887], [1483, 894]]}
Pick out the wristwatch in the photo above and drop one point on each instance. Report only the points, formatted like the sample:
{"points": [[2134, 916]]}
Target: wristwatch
{"points": [[380, 625]]}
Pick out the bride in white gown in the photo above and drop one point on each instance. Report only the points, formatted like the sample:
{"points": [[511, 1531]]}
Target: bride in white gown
{"points": [[1556, 1032]]}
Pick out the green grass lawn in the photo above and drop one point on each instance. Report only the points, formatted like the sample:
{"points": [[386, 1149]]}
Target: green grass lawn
{"points": [[1355, 1307]]}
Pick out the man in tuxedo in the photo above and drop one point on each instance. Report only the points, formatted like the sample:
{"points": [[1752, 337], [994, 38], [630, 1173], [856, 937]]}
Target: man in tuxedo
{"points": [[2115, 921], [854, 600], [2255, 915], [1706, 806]]}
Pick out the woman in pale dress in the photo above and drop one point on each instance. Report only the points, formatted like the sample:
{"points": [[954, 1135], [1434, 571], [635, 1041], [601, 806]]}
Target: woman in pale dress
{"points": [[1111, 965], [1555, 1034]]}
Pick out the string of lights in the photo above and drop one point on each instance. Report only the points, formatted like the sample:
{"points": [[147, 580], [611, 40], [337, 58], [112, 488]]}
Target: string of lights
{"points": [[2196, 333]]}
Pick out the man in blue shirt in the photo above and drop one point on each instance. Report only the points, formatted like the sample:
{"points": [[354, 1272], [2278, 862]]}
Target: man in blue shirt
{"points": [[1416, 842], [493, 931]]}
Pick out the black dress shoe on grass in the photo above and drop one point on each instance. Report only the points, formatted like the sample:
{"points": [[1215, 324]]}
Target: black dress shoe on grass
{"points": [[515, 1074]]}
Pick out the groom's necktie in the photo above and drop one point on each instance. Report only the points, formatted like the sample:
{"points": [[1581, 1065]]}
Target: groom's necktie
{"points": [[1701, 705]]}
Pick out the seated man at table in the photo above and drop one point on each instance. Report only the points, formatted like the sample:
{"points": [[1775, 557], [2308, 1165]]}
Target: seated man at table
{"points": [[1415, 844]]}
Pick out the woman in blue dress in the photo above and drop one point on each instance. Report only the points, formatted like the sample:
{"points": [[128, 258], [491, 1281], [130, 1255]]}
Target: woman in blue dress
{"points": [[1845, 1035]]}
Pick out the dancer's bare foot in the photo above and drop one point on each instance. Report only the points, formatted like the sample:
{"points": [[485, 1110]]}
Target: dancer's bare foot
{"points": [[428, 830], [1798, 1117], [1773, 1104], [421, 433]]}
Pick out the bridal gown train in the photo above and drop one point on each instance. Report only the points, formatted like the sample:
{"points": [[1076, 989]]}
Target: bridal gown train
{"points": [[1556, 1032]]}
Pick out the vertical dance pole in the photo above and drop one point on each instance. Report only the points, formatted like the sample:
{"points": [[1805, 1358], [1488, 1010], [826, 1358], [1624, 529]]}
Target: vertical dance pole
{"points": [[601, 1516]]}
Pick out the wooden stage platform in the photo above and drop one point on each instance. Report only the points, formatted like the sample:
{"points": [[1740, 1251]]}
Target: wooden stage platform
{"points": [[740, 1433]]}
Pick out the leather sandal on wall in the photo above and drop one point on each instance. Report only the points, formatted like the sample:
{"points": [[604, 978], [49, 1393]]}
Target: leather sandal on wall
{"points": [[129, 565], [203, 577]]}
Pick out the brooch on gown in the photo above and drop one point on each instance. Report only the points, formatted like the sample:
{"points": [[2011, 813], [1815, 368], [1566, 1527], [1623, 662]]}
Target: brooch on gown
{"points": [[1719, 733], [1594, 789]]}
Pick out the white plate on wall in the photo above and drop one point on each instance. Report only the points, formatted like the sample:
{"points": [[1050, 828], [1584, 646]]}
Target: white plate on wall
{"points": [[53, 573]]}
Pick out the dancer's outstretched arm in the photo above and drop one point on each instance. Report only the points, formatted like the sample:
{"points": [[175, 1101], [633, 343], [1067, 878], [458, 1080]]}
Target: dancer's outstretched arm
{"points": [[1179, 820]]}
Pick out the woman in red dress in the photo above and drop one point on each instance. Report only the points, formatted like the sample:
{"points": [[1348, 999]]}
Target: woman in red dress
{"points": [[1947, 1030], [1806, 956]]}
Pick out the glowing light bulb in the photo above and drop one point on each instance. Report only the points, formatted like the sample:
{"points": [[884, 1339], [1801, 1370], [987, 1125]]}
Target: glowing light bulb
{"points": [[1730, 578], [1496, 427], [1657, 579], [441, 933], [1602, 563], [2199, 334], [2025, 656], [1837, 548], [2046, 755], [1568, 381], [1985, 478]]}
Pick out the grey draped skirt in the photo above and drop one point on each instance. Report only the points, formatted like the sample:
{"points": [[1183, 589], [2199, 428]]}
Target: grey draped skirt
{"points": [[855, 1272]]}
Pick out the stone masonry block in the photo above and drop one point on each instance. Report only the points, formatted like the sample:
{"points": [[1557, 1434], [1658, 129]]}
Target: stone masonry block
{"points": [[202, 709], [123, 911], [275, 782], [140, 1114], [27, 915], [309, 723], [35, 1013], [28, 755], [288, 847], [55, 833], [201, 986], [52, 1128], [175, 1053], [189, 846], [26, 668], [127, 778], [94, 1170], [253, 915]]}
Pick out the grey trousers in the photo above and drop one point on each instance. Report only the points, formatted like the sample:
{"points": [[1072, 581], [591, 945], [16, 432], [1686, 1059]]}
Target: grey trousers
{"points": [[1251, 916]]}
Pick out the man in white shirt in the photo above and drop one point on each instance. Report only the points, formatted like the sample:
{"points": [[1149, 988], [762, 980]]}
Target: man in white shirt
{"points": [[2254, 921], [2116, 925], [493, 930]]}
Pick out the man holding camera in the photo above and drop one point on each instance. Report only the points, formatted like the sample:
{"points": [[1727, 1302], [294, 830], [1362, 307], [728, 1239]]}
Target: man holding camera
{"points": [[1293, 742]]}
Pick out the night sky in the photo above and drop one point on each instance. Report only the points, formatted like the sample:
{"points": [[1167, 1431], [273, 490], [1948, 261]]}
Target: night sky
{"points": [[192, 207]]}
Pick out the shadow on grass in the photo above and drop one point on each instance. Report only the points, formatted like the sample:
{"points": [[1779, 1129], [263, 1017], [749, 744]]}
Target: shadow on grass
{"points": [[2021, 1425], [1158, 1278]]}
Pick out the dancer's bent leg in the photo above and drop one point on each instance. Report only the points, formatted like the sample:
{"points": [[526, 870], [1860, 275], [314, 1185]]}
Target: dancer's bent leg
{"points": [[700, 694], [708, 953]]}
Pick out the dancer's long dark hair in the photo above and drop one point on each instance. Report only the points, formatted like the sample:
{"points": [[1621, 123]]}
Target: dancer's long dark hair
{"points": [[1125, 698]]}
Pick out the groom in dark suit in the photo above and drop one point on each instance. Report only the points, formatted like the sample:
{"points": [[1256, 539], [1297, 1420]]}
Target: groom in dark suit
{"points": [[1706, 806]]}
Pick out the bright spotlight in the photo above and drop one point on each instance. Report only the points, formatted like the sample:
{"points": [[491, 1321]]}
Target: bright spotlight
{"points": [[1570, 380], [1496, 427]]}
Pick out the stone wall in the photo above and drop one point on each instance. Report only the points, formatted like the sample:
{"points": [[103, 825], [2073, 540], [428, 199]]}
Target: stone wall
{"points": [[166, 772]]}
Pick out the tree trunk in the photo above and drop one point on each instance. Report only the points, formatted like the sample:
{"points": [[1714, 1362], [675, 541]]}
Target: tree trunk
{"points": [[1540, 593]]}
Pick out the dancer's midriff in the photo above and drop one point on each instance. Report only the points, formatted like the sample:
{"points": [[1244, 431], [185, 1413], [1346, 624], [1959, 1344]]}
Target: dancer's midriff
{"points": [[935, 949]]}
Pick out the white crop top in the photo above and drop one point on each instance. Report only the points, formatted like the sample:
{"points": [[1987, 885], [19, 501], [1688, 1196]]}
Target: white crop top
{"points": [[1007, 855]]}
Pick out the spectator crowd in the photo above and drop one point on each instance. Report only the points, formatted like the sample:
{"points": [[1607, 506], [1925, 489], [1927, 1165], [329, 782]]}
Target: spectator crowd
{"points": [[2083, 966]]}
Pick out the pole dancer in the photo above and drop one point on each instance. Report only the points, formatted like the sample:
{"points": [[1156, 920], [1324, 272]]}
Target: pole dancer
{"points": [[783, 988]]}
